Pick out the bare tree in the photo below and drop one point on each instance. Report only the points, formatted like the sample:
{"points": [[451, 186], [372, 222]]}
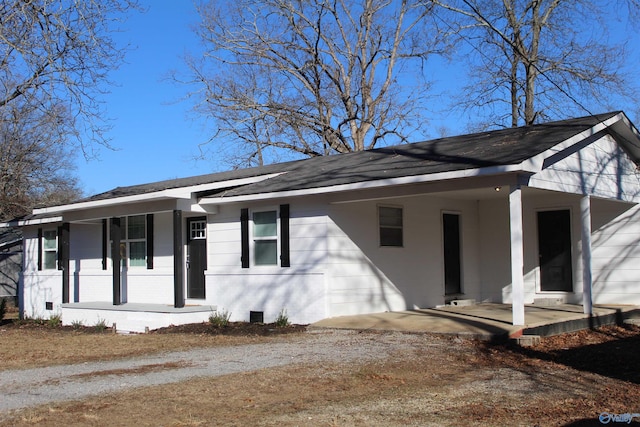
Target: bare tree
{"points": [[59, 52], [312, 77], [55, 56], [534, 60], [35, 166]]}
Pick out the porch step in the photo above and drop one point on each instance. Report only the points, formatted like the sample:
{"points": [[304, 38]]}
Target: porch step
{"points": [[548, 302], [527, 340]]}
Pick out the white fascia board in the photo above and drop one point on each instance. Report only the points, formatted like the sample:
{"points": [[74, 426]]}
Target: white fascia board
{"points": [[38, 221], [415, 179], [535, 163], [174, 193]]}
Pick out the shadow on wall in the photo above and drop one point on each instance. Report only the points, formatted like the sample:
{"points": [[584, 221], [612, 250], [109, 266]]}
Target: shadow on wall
{"points": [[385, 278]]}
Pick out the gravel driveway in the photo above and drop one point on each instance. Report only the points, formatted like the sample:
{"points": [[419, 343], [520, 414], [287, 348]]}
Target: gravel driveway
{"points": [[30, 387]]}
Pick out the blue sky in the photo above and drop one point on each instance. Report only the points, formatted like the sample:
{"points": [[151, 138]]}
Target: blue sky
{"points": [[154, 135]]}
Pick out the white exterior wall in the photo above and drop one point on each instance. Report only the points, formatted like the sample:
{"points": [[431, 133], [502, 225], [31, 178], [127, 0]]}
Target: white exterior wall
{"points": [[601, 169], [365, 277], [41, 286], [89, 282], [494, 250], [299, 289], [615, 258]]}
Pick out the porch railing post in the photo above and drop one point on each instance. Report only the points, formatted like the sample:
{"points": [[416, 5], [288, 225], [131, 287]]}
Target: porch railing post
{"points": [[116, 237], [517, 254], [178, 260], [587, 280]]}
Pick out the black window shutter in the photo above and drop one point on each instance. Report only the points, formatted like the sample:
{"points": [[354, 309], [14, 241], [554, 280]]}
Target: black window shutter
{"points": [[285, 259], [244, 236], [149, 241], [63, 245], [39, 249], [105, 241]]}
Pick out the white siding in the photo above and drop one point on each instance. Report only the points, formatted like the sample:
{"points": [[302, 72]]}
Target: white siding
{"points": [[299, 289], [365, 277], [600, 169], [42, 286], [615, 253], [495, 257]]}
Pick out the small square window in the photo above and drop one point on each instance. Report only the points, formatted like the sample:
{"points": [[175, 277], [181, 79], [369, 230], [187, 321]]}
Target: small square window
{"points": [[390, 222]]}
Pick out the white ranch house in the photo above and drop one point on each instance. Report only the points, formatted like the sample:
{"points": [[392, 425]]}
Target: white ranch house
{"points": [[509, 216]]}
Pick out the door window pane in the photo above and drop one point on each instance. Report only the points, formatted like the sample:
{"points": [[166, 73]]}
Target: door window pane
{"points": [[198, 230]]}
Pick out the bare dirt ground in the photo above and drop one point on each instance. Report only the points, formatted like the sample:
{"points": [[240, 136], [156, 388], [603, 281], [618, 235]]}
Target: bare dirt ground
{"points": [[567, 380]]}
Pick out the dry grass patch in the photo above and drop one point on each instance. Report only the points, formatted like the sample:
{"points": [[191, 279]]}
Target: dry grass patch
{"points": [[421, 388], [28, 346], [461, 383]]}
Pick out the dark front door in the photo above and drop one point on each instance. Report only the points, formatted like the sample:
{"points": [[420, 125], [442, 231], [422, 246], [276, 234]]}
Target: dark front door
{"points": [[196, 257], [554, 243], [452, 267]]}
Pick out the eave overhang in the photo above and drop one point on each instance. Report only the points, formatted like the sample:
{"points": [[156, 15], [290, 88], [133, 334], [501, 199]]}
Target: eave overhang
{"points": [[183, 193]]}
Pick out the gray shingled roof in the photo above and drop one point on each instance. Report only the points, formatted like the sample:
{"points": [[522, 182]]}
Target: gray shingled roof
{"points": [[493, 148]]}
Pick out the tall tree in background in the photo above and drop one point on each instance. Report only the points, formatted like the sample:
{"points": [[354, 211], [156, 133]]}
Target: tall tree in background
{"points": [[311, 77], [35, 165], [54, 59], [533, 60]]}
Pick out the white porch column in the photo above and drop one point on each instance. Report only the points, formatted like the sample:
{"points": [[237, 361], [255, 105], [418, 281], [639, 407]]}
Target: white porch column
{"points": [[517, 254], [585, 237]]}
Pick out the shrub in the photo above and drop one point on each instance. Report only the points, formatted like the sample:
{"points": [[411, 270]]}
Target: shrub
{"points": [[282, 321], [77, 324], [54, 320], [219, 319], [38, 320], [3, 308], [101, 325]]}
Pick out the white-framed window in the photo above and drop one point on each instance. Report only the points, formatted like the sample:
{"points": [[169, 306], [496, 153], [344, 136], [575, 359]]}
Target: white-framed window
{"points": [[265, 237], [133, 241], [50, 249], [390, 224]]}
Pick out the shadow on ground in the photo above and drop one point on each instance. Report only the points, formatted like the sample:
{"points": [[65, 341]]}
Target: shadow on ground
{"points": [[609, 351]]}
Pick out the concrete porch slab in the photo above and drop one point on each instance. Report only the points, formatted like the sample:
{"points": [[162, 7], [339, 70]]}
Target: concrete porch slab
{"points": [[485, 321], [134, 317]]}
